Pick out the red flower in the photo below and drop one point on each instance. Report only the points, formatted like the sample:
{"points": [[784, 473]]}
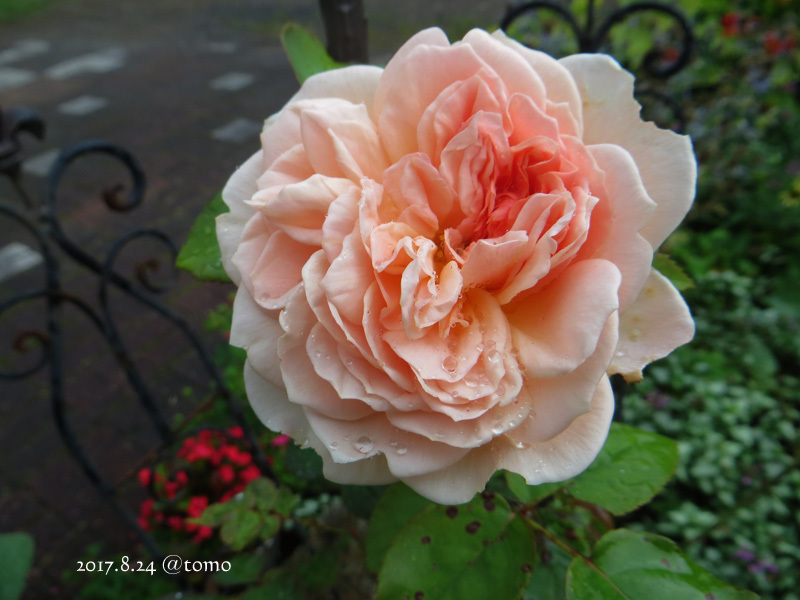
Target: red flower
{"points": [[236, 456], [197, 504], [202, 533], [171, 488], [175, 522], [280, 440], [236, 432], [772, 43], [731, 24], [144, 477], [226, 474], [249, 473], [146, 509], [144, 524], [182, 478]]}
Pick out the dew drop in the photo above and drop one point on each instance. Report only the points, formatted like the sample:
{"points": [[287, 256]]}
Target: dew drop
{"points": [[490, 344], [438, 435], [449, 364], [401, 450], [472, 380], [364, 444], [620, 354], [494, 357], [333, 445], [479, 347]]}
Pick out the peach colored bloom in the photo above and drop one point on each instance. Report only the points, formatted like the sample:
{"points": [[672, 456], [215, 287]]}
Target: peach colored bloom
{"points": [[440, 262]]}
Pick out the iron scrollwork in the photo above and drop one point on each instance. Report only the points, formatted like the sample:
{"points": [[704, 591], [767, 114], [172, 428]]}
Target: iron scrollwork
{"points": [[591, 38], [41, 222]]}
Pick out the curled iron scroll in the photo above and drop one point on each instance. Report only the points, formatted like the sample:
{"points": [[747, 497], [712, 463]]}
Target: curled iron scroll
{"points": [[591, 40]]}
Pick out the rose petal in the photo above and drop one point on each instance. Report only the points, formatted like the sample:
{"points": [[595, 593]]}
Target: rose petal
{"points": [[559, 328], [665, 160], [237, 191], [568, 453], [559, 84], [630, 209], [255, 330], [358, 441], [653, 326], [300, 208]]}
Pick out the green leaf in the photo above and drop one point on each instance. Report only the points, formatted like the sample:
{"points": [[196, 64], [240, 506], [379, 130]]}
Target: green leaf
{"points": [[278, 584], [476, 550], [263, 493], [200, 254], [321, 570], [306, 53], [644, 566], [16, 558], [548, 578], [271, 526], [303, 462], [632, 467], [241, 528], [672, 271], [361, 500], [245, 568], [286, 501], [530, 493], [213, 516], [397, 506]]}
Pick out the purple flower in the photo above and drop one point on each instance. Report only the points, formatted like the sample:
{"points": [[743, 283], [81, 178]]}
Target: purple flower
{"points": [[744, 554]]}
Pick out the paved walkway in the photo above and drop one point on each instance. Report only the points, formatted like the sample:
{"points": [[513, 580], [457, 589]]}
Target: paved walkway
{"points": [[184, 85]]}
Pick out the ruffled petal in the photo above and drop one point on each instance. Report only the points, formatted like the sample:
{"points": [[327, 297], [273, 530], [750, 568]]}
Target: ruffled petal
{"points": [[557, 329], [237, 192], [665, 160], [653, 326]]}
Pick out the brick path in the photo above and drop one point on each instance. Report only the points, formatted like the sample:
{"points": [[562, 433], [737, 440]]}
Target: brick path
{"points": [[184, 85]]}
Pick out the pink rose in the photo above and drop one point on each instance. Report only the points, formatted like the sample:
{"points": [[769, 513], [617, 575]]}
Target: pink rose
{"points": [[440, 262]]}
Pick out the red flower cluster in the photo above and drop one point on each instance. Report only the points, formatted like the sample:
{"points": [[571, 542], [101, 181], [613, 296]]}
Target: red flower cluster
{"points": [[774, 44], [219, 470]]}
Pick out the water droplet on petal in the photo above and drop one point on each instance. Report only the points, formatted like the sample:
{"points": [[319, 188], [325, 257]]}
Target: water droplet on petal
{"points": [[449, 364], [333, 445], [401, 450], [472, 380], [490, 344], [494, 357], [479, 347], [364, 444]]}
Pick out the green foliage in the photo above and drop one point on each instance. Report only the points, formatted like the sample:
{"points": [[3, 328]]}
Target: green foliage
{"points": [[15, 10], [672, 271], [305, 52], [16, 558], [201, 254], [477, 550], [631, 565], [396, 508], [631, 468]]}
